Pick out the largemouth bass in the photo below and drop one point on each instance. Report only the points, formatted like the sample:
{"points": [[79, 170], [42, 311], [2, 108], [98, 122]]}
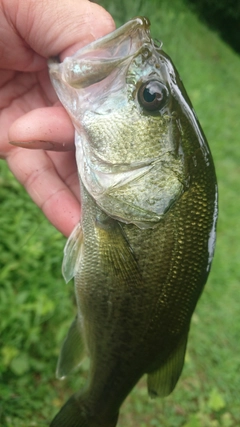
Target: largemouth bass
{"points": [[142, 251]]}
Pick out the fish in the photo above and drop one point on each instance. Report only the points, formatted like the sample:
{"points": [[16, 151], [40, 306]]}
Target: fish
{"points": [[142, 250]]}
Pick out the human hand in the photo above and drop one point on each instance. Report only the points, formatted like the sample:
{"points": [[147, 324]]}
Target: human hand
{"points": [[30, 113]]}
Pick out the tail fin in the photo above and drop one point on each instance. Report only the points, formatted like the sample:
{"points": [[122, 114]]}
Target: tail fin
{"points": [[76, 414]]}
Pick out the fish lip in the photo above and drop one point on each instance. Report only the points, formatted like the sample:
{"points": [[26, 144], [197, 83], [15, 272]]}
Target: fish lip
{"points": [[139, 22], [95, 61], [123, 32]]}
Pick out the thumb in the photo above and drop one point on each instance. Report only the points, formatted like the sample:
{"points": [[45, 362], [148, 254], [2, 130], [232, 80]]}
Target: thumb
{"points": [[53, 27]]}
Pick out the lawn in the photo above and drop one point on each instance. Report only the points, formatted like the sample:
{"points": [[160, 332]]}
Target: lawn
{"points": [[36, 306]]}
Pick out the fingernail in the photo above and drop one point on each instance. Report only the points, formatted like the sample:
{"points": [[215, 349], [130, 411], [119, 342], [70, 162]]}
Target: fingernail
{"points": [[43, 145]]}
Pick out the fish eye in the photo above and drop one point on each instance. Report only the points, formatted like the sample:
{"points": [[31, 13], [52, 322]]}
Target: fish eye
{"points": [[152, 95]]}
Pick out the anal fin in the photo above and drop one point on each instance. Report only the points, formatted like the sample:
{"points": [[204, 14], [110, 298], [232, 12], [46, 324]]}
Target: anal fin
{"points": [[72, 351], [163, 381]]}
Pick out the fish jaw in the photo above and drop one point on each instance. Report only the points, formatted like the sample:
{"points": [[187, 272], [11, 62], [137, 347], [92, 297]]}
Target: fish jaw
{"points": [[97, 60]]}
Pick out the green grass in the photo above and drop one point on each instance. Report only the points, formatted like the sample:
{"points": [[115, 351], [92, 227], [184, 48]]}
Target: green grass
{"points": [[36, 307]]}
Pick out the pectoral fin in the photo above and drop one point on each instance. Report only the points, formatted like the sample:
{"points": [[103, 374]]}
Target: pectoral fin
{"points": [[72, 351], [162, 381], [116, 256], [72, 253]]}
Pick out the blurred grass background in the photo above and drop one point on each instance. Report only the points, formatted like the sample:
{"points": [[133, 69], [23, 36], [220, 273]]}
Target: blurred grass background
{"points": [[36, 307]]}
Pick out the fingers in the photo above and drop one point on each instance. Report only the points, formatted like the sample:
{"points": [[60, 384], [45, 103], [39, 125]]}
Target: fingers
{"points": [[43, 29], [15, 54], [50, 179], [46, 128], [38, 173]]}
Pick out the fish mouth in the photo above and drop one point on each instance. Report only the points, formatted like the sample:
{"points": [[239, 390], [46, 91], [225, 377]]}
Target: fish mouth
{"points": [[97, 60]]}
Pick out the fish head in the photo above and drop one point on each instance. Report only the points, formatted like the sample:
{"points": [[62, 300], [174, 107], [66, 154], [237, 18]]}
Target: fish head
{"points": [[135, 126]]}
